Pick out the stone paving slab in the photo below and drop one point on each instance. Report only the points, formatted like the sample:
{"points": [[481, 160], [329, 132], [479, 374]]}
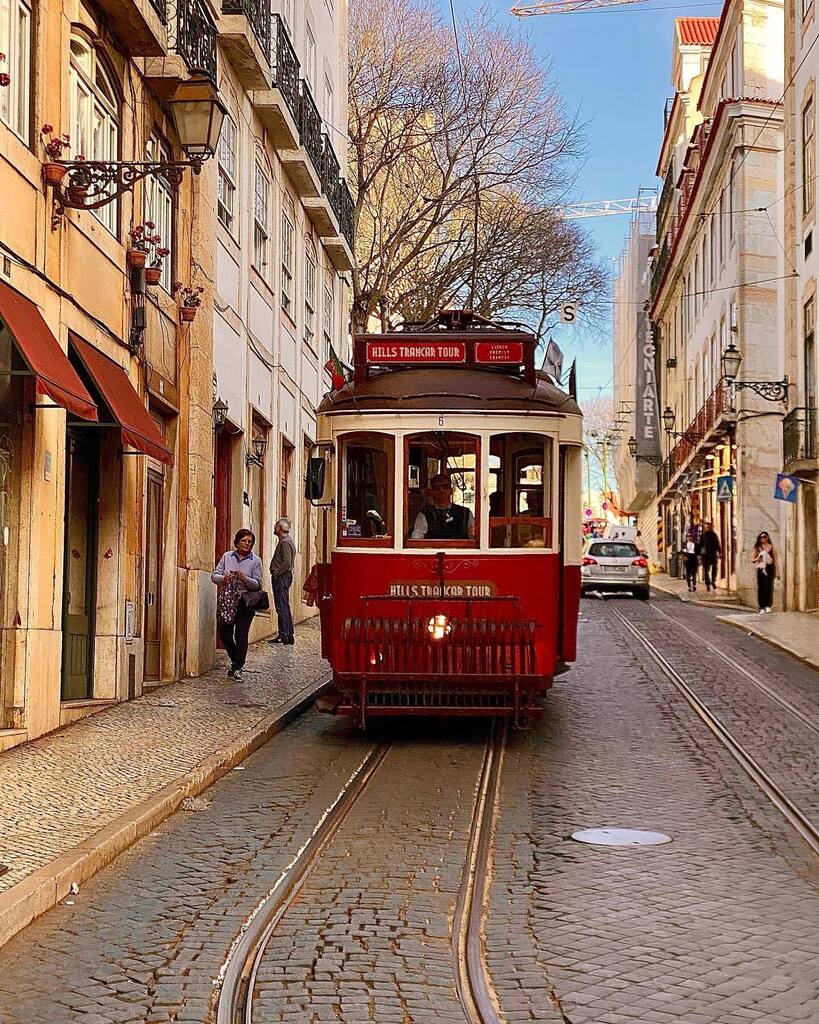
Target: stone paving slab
{"points": [[797, 633], [666, 584], [72, 800]]}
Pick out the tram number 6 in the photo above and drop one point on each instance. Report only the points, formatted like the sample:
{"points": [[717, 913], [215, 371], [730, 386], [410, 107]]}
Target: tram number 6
{"points": [[440, 421]]}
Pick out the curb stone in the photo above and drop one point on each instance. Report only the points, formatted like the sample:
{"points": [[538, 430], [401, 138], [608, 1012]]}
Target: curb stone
{"points": [[700, 603], [48, 885], [745, 623]]}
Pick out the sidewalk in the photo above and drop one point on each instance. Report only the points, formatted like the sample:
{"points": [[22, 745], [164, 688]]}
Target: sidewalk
{"points": [[678, 588], [71, 801], [797, 633]]}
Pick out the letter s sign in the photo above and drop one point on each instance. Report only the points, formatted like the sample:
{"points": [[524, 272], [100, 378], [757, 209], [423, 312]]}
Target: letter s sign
{"points": [[568, 312]]}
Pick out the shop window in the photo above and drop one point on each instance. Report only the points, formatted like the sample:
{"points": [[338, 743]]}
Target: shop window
{"points": [[367, 472], [441, 489], [520, 491]]}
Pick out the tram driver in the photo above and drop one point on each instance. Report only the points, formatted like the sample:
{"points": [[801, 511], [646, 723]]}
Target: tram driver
{"points": [[439, 519]]}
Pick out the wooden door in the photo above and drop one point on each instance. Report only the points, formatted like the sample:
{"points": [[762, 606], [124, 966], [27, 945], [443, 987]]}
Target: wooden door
{"points": [[80, 564], [153, 577], [222, 493]]}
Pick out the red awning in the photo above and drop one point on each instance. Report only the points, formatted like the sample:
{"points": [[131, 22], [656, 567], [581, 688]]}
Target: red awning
{"points": [[41, 352], [138, 429]]}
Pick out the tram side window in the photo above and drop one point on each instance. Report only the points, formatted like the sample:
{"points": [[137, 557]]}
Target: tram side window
{"points": [[440, 489], [367, 467], [520, 491]]}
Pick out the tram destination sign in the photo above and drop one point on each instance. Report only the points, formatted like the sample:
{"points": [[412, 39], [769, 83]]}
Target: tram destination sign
{"points": [[385, 352]]}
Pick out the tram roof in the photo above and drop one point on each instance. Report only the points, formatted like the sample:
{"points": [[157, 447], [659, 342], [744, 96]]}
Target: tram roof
{"points": [[440, 388]]}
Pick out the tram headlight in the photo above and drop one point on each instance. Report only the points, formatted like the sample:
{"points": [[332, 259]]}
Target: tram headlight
{"points": [[439, 626]]}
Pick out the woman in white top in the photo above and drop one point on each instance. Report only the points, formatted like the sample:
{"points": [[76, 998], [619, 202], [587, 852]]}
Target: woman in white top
{"points": [[238, 572], [691, 562], [767, 568]]}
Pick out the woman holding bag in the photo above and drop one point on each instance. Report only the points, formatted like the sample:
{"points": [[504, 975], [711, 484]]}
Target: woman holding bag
{"points": [[767, 568], [238, 576]]}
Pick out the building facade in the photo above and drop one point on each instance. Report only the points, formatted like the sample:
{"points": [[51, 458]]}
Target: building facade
{"points": [[801, 425], [717, 279], [115, 490], [283, 247]]}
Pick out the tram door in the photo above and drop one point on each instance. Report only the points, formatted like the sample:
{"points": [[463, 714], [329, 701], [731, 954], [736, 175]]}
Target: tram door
{"points": [[80, 564]]}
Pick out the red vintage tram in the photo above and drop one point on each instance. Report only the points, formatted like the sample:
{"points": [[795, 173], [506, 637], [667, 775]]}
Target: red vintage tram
{"points": [[449, 475]]}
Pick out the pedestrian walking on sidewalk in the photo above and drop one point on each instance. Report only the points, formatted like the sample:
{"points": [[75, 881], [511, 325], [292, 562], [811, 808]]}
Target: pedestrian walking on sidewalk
{"points": [[710, 552], [691, 562], [238, 572], [281, 573], [767, 569]]}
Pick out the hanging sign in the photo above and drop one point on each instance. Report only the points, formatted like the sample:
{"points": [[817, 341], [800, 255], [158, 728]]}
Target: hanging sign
{"points": [[568, 312], [786, 487], [499, 352], [646, 412], [386, 352], [725, 488]]}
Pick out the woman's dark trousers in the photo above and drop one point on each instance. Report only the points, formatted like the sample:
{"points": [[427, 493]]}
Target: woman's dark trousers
{"points": [[765, 586], [234, 636]]}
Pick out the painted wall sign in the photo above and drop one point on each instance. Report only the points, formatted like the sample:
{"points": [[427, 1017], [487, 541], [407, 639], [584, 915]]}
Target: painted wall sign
{"points": [[499, 352], [385, 352], [646, 411]]}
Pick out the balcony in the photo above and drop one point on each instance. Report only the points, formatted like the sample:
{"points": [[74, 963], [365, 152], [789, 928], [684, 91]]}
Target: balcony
{"points": [[666, 200], [800, 440], [303, 165], [713, 419], [332, 212], [659, 267], [192, 42], [245, 29], [278, 107], [139, 25]]}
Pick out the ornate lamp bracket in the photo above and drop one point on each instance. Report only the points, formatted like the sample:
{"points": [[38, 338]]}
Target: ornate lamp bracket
{"points": [[770, 390]]}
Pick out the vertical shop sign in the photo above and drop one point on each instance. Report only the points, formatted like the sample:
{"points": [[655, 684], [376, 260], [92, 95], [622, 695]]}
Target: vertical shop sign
{"points": [[646, 413]]}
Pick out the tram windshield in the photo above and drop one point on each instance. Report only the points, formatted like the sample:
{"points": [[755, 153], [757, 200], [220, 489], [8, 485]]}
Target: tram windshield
{"points": [[366, 509], [441, 488], [520, 491]]}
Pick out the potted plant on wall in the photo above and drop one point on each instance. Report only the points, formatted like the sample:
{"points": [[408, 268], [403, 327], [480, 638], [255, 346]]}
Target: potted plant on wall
{"points": [[5, 77], [140, 245], [157, 254], [53, 172], [191, 299]]}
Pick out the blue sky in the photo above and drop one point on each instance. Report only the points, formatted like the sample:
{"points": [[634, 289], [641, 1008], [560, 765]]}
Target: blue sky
{"points": [[613, 66]]}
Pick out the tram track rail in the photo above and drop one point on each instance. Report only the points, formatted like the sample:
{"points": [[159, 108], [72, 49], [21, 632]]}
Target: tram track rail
{"points": [[239, 973], [793, 814]]}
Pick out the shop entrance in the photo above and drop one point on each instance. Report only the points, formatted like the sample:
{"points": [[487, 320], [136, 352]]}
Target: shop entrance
{"points": [[153, 577], [80, 563]]}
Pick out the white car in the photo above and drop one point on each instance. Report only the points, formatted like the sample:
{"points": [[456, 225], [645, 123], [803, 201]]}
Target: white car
{"points": [[614, 565]]}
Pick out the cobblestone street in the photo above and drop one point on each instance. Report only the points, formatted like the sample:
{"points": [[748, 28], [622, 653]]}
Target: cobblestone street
{"points": [[716, 927]]}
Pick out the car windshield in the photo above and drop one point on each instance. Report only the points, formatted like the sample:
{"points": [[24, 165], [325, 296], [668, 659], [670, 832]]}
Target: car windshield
{"points": [[619, 550]]}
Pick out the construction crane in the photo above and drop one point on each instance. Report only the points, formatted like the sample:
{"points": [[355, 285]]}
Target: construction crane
{"points": [[609, 207], [566, 6]]}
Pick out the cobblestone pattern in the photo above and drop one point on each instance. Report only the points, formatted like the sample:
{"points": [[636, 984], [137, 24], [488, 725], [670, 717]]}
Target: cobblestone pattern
{"points": [[718, 927], [144, 939], [58, 790], [784, 746], [370, 936]]}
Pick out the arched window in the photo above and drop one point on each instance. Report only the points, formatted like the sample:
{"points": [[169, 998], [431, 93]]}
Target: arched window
{"points": [[94, 114]]}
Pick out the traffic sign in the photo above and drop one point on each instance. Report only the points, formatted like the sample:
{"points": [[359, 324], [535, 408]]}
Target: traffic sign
{"points": [[725, 488], [786, 488]]}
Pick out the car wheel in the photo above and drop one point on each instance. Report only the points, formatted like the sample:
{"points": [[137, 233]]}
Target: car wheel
{"points": [[643, 594]]}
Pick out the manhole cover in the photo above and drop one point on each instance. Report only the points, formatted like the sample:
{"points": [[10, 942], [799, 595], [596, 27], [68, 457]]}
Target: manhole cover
{"points": [[620, 837]]}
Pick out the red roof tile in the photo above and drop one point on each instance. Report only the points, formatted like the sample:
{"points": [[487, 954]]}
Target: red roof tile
{"points": [[697, 31]]}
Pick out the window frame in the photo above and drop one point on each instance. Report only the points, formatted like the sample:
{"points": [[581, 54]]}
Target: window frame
{"points": [[342, 440], [807, 126], [228, 175], [310, 297], [158, 206], [328, 313], [286, 452], [408, 542], [288, 269], [16, 42], [261, 229]]}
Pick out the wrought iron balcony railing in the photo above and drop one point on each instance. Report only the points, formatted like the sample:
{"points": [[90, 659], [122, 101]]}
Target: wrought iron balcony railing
{"points": [[658, 270], [286, 68], [310, 126], [194, 37], [329, 171], [717, 405], [666, 199], [258, 16], [161, 8], [800, 435]]}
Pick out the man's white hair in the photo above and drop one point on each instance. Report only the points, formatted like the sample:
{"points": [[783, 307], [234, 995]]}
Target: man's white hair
{"points": [[284, 525]]}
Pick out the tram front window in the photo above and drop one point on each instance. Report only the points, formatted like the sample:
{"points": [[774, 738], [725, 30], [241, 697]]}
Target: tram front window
{"points": [[441, 488], [366, 512], [520, 491]]}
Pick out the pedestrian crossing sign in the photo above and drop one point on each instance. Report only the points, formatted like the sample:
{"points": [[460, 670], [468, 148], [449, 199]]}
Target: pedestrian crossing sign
{"points": [[725, 488]]}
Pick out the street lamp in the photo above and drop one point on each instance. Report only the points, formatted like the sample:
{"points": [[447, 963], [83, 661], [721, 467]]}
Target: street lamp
{"points": [[259, 445], [197, 114], [632, 446], [770, 390], [219, 413], [669, 419]]}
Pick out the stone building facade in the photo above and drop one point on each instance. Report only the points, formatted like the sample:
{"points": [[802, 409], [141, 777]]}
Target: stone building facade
{"points": [[115, 489], [717, 278]]}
